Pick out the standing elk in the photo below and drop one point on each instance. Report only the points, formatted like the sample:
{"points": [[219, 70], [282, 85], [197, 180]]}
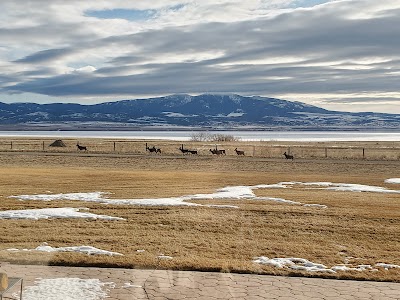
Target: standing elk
{"points": [[239, 152], [184, 151], [81, 148], [153, 149], [288, 156]]}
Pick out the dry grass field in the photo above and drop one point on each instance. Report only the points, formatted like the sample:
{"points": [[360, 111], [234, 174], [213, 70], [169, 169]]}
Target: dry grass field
{"points": [[356, 227]]}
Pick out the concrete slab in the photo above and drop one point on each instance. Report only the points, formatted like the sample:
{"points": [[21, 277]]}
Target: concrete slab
{"points": [[162, 284]]}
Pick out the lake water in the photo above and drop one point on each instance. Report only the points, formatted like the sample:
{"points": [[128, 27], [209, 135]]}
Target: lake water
{"points": [[312, 136]]}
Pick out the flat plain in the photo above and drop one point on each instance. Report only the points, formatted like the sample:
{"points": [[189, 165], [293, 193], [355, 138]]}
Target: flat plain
{"points": [[356, 228]]}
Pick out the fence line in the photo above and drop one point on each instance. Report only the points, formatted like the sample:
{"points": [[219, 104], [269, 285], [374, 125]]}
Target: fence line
{"points": [[172, 148]]}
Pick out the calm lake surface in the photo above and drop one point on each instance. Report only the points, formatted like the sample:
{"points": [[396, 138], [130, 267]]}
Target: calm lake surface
{"points": [[311, 136]]}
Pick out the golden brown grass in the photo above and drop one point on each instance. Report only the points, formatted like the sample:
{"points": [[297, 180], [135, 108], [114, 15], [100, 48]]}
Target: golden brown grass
{"points": [[360, 227]]}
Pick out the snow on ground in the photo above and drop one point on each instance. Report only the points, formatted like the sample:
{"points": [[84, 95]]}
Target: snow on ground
{"points": [[293, 263], [162, 256], [67, 289], [343, 187], [100, 197], [50, 213], [387, 266], [393, 180], [303, 264], [89, 250], [227, 193]]}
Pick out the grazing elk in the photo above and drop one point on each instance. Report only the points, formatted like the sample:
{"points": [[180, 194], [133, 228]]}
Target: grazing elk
{"points": [[153, 149], [184, 151], [239, 152], [217, 152], [81, 148], [288, 156]]}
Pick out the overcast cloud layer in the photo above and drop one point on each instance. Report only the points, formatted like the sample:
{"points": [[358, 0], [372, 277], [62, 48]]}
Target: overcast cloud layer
{"points": [[340, 55]]}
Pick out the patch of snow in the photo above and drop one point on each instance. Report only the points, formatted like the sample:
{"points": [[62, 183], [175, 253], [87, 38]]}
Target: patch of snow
{"points": [[229, 193], [165, 257], [293, 263], [358, 268], [393, 180], [280, 185], [342, 187], [88, 197], [302, 264], [387, 266], [176, 115], [235, 98], [316, 205], [89, 250], [50, 213], [235, 114], [67, 289], [281, 200], [45, 115]]}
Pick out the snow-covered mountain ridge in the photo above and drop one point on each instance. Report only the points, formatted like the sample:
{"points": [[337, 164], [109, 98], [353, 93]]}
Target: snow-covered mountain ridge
{"points": [[206, 110]]}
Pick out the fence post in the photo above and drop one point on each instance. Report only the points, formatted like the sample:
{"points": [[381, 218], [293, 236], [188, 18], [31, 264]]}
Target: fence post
{"points": [[11, 145], [254, 150], [114, 146], [363, 153], [43, 146], [326, 152]]}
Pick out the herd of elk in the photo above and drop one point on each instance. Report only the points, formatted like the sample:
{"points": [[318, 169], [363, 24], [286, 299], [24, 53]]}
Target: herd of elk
{"points": [[288, 156], [153, 149], [184, 151], [215, 151]]}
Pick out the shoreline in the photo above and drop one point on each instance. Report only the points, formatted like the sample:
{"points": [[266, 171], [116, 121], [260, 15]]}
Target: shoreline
{"points": [[189, 136]]}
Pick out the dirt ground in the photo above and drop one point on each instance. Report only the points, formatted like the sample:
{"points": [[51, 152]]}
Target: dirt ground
{"points": [[355, 228]]}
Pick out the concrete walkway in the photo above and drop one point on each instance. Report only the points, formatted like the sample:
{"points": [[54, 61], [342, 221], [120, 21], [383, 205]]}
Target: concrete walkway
{"points": [[158, 284]]}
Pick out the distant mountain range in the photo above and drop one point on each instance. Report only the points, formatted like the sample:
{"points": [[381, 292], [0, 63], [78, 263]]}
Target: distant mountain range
{"points": [[185, 111]]}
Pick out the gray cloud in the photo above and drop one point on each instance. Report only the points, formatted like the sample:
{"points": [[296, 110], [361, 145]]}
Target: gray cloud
{"points": [[345, 47], [45, 56]]}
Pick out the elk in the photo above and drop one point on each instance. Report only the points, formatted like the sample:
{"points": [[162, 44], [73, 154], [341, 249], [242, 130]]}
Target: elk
{"points": [[80, 148], [153, 149], [288, 156], [217, 152], [184, 151], [239, 152]]}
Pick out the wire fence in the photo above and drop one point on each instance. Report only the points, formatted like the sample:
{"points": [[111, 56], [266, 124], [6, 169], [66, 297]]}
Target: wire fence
{"points": [[203, 148]]}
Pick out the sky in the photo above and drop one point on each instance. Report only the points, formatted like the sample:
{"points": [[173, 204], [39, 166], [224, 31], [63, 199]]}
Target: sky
{"points": [[336, 54]]}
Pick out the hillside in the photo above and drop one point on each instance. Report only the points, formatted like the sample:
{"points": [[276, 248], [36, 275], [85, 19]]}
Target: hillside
{"points": [[207, 111]]}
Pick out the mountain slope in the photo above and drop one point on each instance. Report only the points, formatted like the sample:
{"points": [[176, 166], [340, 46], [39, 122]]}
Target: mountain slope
{"points": [[211, 111]]}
